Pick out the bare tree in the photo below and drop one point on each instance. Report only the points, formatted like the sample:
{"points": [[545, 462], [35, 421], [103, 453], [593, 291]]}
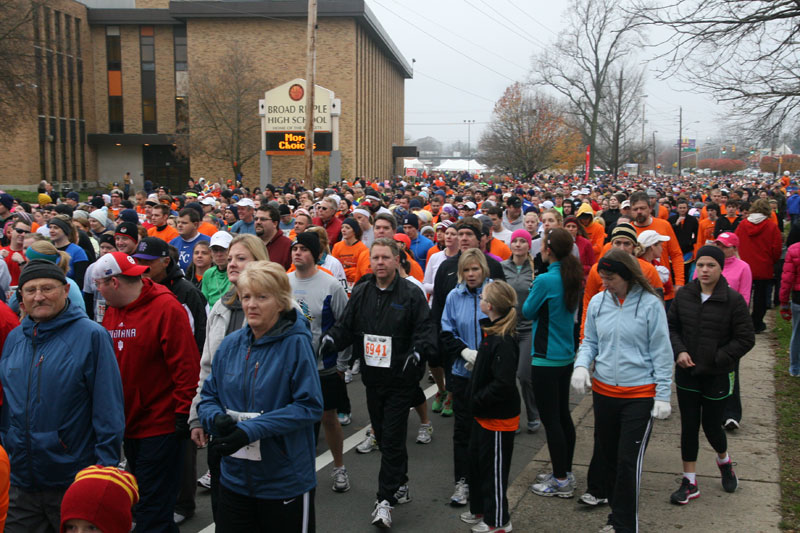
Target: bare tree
{"points": [[620, 116], [528, 133], [17, 75], [743, 52], [599, 34], [223, 101]]}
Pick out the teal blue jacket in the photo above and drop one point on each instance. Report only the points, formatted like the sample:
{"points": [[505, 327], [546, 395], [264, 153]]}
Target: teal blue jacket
{"points": [[552, 337]]}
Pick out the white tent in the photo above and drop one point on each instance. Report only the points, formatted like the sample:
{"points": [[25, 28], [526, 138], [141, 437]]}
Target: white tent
{"points": [[413, 163], [460, 164]]}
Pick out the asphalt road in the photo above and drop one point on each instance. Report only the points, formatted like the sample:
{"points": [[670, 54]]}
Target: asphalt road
{"points": [[430, 478]]}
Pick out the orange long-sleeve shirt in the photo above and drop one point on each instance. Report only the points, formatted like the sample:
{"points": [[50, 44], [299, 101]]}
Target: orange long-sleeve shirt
{"points": [[349, 255], [671, 254], [166, 235], [364, 268], [597, 234]]}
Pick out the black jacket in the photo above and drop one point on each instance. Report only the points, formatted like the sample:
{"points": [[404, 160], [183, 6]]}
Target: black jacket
{"points": [[191, 298], [716, 333], [686, 233], [493, 383], [400, 312], [447, 278]]}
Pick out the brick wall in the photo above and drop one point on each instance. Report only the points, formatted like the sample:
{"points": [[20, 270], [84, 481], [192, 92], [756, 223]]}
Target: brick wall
{"points": [[165, 79], [131, 79]]}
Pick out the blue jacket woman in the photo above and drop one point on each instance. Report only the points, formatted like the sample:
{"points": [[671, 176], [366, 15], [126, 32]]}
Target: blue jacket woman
{"points": [[274, 378]]}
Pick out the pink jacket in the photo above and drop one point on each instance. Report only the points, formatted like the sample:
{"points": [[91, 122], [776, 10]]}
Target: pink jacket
{"points": [[738, 275], [790, 279]]}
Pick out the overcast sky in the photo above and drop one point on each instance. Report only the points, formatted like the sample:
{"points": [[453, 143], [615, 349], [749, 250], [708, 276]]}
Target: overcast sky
{"points": [[468, 51]]}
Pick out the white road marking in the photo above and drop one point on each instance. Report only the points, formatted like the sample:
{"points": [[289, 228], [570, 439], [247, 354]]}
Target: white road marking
{"points": [[326, 458]]}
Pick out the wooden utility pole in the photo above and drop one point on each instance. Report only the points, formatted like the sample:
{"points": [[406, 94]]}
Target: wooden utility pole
{"points": [[311, 50]]}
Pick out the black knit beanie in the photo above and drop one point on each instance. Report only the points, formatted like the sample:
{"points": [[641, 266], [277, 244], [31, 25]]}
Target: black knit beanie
{"points": [[713, 252], [310, 240], [39, 268]]}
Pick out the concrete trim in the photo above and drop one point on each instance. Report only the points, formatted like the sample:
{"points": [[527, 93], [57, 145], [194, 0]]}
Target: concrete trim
{"points": [[131, 16], [130, 139]]}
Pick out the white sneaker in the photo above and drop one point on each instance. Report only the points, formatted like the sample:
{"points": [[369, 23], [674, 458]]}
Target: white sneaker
{"points": [[205, 480], [403, 495], [542, 478], [470, 518], [178, 518], [731, 424], [369, 444], [356, 367], [460, 496], [425, 434], [483, 527], [344, 419], [589, 499], [348, 376], [382, 515], [341, 481]]}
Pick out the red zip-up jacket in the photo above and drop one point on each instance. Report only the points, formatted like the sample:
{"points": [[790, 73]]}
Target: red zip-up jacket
{"points": [[158, 360]]}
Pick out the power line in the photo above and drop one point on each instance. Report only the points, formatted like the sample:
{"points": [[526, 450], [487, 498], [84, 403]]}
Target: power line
{"points": [[441, 123], [443, 43], [417, 71], [530, 17], [512, 30], [501, 15], [453, 32]]}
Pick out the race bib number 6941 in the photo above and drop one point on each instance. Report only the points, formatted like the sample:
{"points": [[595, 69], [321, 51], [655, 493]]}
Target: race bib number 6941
{"points": [[378, 351]]}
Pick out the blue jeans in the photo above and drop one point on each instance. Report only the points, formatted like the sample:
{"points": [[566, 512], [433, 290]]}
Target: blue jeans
{"points": [[794, 344]]}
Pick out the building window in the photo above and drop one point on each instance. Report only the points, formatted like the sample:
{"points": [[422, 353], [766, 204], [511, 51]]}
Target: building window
{"points": [[148, 58], [181, 80], [114, 65]]}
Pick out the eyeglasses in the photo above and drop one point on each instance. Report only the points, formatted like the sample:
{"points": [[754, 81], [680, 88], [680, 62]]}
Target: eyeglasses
{"points": [[101, 281], [47, 290]]}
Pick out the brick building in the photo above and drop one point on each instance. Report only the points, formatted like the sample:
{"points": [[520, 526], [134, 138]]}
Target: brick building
{"points": [[114, 87]]}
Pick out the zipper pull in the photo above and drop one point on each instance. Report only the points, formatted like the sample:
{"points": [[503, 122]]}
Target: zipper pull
{"points": [[247, 357], [41, 358]]}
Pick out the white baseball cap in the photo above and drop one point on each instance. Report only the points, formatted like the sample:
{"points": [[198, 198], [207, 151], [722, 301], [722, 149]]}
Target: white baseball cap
{"points": [[246, 202], [116, 264], [222, 239], [208, 200], [650, 237]]}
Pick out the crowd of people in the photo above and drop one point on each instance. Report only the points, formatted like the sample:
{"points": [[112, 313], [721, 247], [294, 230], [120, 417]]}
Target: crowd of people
{"points": [[138, 328]]}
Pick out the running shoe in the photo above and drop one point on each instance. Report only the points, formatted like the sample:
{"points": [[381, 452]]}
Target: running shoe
{"points": [[534, 425], [341, 481], [345, 419], [430, 377], [438, 401], [731, 424], [687, 492], [447, 407], [470, 518], [589, 499], [552, 487], [179, 518], [460, 496], [425, 434], [542, 478], [729, 479], [369, 444], [608, 528], [123, 465], [483, 527], [382, 515], [348, 376], [205, 480], [356, 367], [403, 495]]}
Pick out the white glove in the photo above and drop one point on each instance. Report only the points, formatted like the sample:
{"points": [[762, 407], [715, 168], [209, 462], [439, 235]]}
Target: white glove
{"points": [[661, 410], [581, 380], [469, 355], [663, 273]]}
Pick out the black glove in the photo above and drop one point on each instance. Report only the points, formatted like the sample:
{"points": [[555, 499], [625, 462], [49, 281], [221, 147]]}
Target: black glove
{"points": [[224, 424], [326, 345], [230, 443], [182, 430]]}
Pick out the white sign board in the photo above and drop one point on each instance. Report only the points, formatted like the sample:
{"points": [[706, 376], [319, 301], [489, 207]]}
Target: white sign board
{"points": [[284, 107]]}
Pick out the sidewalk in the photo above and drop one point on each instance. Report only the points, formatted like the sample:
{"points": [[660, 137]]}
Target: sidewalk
{"points": [[754, 507]]}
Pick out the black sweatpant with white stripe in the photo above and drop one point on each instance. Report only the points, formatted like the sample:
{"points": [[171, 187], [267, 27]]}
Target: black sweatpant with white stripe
{"points": [[622, 429], [489, 463], [237, 513]]}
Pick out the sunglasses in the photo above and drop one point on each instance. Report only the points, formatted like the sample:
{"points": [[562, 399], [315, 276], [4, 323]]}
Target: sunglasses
{"points": [[21, 231]]}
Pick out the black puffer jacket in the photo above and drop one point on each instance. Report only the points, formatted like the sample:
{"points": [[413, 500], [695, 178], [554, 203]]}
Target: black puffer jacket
{"points": [[400, 312], [493, 384], [715, 333], [191, 299]]}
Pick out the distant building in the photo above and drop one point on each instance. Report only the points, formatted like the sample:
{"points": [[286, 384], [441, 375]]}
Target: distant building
{"points": [[113, 86]]}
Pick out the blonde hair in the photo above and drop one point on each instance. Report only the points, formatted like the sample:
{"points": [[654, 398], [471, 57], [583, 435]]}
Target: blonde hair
{"points": [[761, 206], [556, 213], [324, 243], [266, 277], [503, 299], [257, 249], [473, 255], [47, 248]]}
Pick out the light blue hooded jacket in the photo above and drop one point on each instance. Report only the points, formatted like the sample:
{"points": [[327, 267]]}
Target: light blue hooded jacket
{"points": [[628, 343]]}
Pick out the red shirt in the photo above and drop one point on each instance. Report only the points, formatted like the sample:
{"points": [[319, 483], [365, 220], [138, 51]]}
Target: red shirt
{"points": [[333, 228], [158, 360], [13, 266]]}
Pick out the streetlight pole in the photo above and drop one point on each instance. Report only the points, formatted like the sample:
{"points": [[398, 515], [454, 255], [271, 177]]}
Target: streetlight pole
{"points": [[680, 138], [655, 163], [469, 124]]}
